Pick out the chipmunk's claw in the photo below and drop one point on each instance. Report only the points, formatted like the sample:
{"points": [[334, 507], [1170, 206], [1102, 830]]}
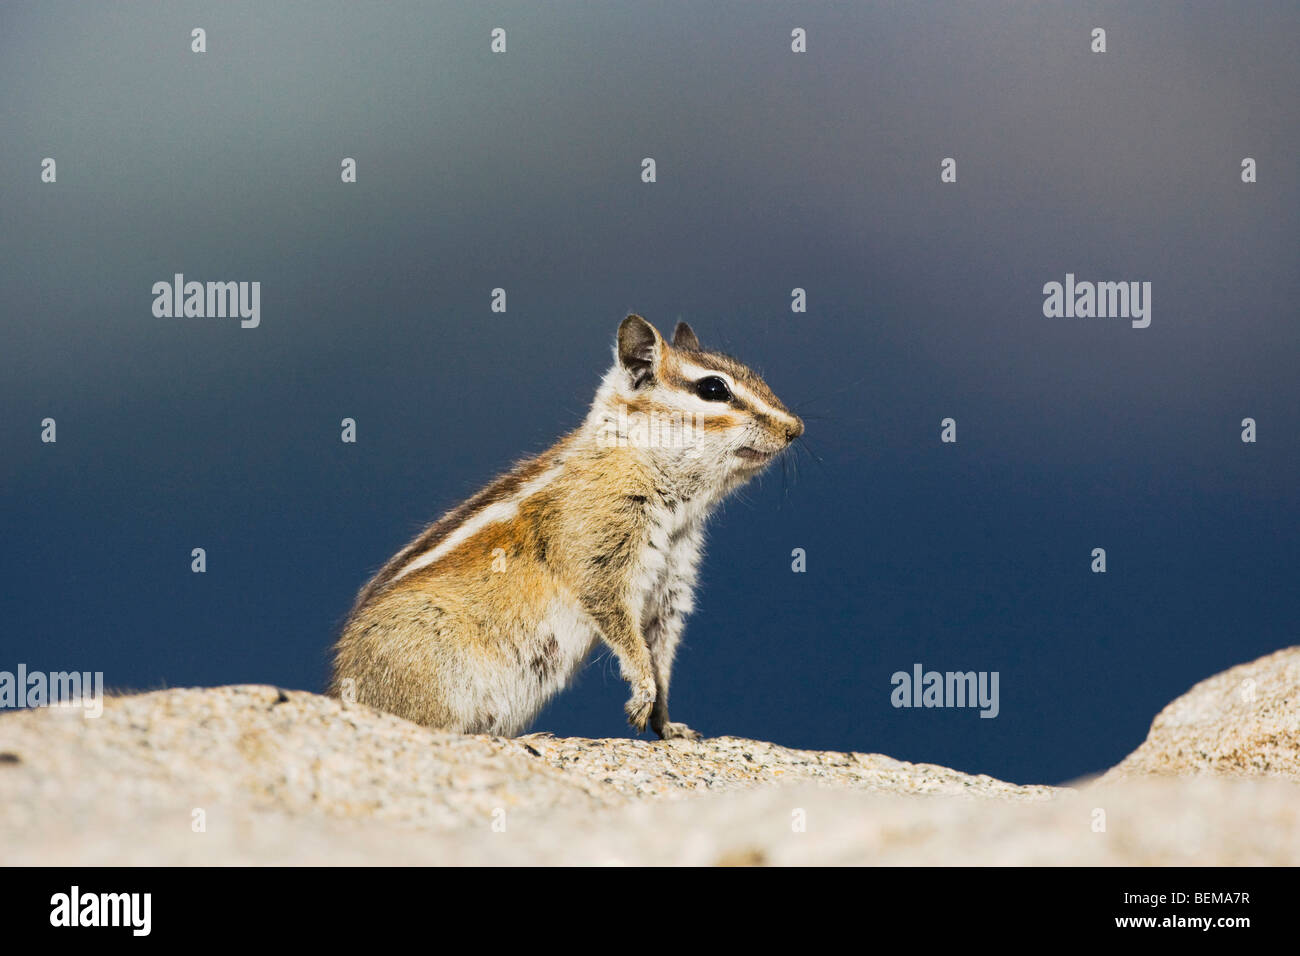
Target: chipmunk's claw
{"points": [[641, 703], [677, 731]]}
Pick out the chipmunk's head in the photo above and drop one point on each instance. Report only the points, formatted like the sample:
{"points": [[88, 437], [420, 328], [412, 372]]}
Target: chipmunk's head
{"points": [[701, 416]]}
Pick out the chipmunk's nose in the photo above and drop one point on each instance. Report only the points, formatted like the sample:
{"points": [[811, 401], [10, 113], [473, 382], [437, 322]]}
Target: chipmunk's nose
{"points": [[794, 431]]}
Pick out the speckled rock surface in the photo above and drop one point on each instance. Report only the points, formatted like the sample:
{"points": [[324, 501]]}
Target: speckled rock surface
{"points": [[1244, 721], [255, 775], [279, 750], [639, 768]]}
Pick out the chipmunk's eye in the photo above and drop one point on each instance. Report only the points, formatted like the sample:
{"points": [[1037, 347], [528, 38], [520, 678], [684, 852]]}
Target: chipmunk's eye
{"points": [[713, 389]]}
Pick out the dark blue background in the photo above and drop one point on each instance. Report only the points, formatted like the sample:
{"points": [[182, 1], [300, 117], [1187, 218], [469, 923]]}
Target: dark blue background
{"points": [[775, 170]]}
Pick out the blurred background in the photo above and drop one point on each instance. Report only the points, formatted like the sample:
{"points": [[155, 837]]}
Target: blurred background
{"points": [[775, 170]]}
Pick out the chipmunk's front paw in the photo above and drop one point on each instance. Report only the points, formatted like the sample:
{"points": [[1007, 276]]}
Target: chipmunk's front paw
{"points": [[641, 703], [676, 731]]}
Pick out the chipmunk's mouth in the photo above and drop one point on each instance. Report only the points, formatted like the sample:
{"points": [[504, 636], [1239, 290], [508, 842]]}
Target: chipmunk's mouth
{"points": [[754, 456]]}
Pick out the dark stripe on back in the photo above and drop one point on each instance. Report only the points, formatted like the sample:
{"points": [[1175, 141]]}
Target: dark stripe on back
{"points": [[501, 488]]}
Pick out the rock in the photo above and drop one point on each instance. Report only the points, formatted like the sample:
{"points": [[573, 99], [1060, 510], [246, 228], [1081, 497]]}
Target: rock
{"points": [[1242, 722], [255, 775], [639, 768]]}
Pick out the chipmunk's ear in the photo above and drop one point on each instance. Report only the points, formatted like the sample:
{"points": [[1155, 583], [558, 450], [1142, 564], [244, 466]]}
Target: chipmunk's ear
{"points": [[639, 346], [684, 337]]}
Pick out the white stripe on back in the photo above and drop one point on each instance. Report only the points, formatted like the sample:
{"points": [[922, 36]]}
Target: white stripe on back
{"points": [[497, 511]]}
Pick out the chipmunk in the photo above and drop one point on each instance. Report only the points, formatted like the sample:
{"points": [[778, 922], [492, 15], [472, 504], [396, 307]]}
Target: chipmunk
{"points": [[484, 617]]}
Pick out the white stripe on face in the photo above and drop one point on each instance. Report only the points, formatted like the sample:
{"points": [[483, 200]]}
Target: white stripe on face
{"points": [[493, 513], [696, 372]]}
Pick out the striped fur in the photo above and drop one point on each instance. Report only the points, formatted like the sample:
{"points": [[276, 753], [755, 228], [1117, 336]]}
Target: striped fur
{"points": [[489, 613]]}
